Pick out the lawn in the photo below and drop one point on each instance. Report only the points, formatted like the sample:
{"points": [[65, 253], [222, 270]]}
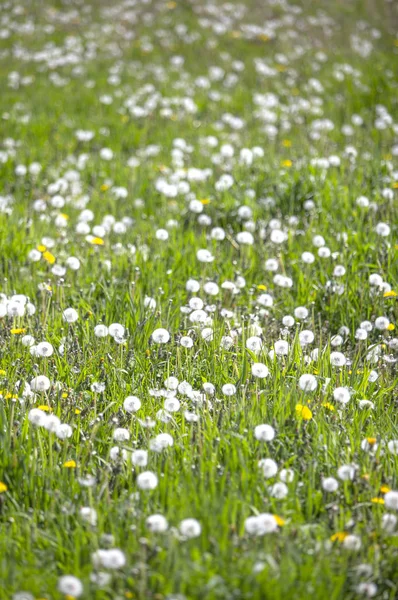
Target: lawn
{"points": [[198, 300]]}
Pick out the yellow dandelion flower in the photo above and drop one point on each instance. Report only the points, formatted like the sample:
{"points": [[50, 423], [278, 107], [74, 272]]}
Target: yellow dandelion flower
{"points": [[286, 163], [262, 287], [48, 257], [104, 187], [205, 201], [286, 143], [2, 372], [70, 464], [339, 536], [391, 327], [390, 294], [303, 412], [45, 408], [97, 241], [17, 331], [371, 440], [3, 487], [41, 248], [77, 411], [395, 185], [384, 489], [329, 406], [280, 522], [64, 395], [129, 594], [377, 500]]}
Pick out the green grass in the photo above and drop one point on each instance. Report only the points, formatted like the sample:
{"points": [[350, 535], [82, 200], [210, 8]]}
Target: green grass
{"points": [[71, 51]]}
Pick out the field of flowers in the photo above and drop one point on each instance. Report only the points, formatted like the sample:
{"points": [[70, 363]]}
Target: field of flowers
{"points": [[198, 300]]}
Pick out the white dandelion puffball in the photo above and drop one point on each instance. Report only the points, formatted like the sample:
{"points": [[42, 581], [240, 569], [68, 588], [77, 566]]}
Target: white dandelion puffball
{"points": [[288, 321], [139, 458], [279, 490], [301, 312], [190, 528], [346, 472], [37, 417], [161, 442], [204, 256], [172, 404], [116, 330], [281, 348], [44, 349], [131, 404], [109, 559], [337, 359], [264, 433], [254, 344], [88, 514], [261, 524], [116, 453], [157, 523], [171, 383], [260, 370], [389, 522], [330, 484], [391, 500], [228, 389], [308, 382], [70, 315], [382, 323], [70, 586], [121, 435], [160, 336], [342, 395], [352, 542], [41, 383], [392, 446], [101, 331], [147, 480], [306, 337], [186, 342], [268, 466], [51, 423], [63, 431]]}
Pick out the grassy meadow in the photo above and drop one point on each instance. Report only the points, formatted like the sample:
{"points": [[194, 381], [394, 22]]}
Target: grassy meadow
{"points": [[198, 300]]}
